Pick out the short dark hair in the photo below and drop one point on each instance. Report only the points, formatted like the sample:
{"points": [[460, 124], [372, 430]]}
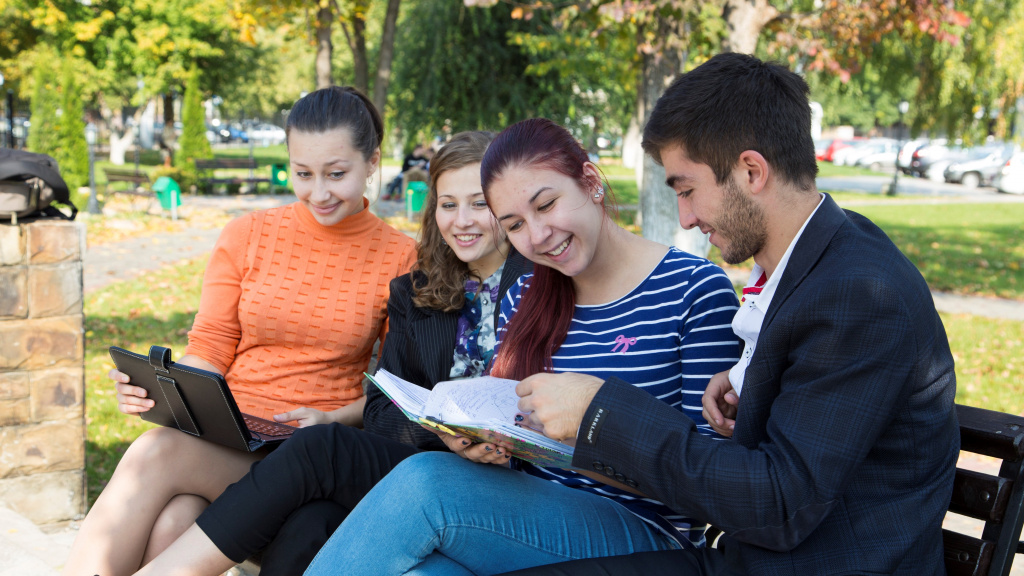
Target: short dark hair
{"points": [[733, 103], [339, 107]]}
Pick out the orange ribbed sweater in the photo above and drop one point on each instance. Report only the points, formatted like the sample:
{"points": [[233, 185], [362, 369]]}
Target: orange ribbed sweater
{"points": [[290, 309]]}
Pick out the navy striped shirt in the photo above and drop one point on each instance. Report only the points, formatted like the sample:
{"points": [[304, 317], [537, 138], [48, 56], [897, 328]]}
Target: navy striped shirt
{"points": [[668, 335]]}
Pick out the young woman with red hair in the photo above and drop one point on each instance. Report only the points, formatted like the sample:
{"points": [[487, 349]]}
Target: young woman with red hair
{"points": [[601, 301]]}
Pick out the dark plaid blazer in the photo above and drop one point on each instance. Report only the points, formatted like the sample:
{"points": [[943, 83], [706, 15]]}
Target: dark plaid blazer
{"points": [[420, 347], [846, 437]]}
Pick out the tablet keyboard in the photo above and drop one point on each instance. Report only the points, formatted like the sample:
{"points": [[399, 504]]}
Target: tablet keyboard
{"points": [[266, 427]]}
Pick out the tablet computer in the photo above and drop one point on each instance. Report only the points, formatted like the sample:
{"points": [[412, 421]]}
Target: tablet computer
{"points": [[195, 401]]}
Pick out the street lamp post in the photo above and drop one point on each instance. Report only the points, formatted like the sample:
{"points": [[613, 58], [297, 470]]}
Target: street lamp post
{"points": [[903, 107]]}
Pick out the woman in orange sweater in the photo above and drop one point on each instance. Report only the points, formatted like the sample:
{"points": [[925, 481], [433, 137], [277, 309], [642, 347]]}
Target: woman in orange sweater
{"points": [[293, 300]]}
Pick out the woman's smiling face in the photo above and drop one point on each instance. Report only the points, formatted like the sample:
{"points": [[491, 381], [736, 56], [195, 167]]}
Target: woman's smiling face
{"points": [[465, 221], [329, 173], [548, 216]]}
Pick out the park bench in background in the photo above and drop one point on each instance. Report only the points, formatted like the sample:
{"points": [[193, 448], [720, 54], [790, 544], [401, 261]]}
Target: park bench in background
{"points": [[232, 164], [137, 183], [997, 500]]}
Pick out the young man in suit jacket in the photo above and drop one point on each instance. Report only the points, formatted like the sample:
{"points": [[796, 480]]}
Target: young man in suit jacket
{"points": [[845, 437]]}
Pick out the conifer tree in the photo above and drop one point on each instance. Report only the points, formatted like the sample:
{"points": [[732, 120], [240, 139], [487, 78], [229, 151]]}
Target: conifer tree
{"points": [[43, 136], [72, 153], [194, 144]]}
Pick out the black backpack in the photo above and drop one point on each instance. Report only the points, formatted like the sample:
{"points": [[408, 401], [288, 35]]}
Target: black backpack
{"points": [[30, 185]]}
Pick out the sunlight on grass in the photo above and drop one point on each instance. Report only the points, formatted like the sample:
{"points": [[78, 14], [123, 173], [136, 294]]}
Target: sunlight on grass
{"points": [[989, 355], [155, 309], [975, 249]]}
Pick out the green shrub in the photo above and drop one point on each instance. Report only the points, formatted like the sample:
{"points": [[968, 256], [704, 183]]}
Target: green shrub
{"points": [[73, 152], [193, 143], [43, 132]]}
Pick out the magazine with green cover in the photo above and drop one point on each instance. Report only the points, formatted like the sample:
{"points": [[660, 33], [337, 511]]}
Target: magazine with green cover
{"points": [[482, 409]]}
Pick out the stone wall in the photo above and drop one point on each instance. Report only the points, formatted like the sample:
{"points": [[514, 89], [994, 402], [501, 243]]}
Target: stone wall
{"points": [[42, 384]]}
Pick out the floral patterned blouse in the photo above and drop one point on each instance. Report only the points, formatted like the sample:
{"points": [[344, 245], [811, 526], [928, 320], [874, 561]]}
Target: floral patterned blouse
{"points": [[475, 336]]}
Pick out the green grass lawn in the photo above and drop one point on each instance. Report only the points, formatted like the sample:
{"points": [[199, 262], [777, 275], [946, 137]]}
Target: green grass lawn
{"points": [[830, 170], [962, 248], [155, 309]]}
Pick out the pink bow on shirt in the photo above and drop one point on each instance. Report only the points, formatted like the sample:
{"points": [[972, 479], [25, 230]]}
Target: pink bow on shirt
{"points": [[621, 340]]}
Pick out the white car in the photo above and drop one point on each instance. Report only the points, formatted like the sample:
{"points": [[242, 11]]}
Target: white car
{"points": [[1011, 178], [851, 155], [267, 134]]}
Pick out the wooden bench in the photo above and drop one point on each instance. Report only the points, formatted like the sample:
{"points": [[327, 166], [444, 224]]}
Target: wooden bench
{"points": [[138, 183], [232, 164], [997, 500]]}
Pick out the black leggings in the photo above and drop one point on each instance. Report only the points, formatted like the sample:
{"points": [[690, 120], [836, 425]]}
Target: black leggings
{"points": [[333, 464]]}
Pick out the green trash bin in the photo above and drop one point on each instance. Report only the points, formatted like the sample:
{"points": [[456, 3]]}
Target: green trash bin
{"points": [[168, 191], [415, 195]]}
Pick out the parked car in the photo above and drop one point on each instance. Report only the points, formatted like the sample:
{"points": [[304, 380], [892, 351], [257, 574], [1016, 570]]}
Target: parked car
{"points": [[820, 146], [924, 159], [1010, 178], [849, 156], [879, 161], [980, 167], [237, 133], [835, 146], [218, 132], [267, 134], [907, 153]]}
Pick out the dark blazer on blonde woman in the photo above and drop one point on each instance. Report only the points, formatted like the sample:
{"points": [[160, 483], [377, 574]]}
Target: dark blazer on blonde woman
{"points": [[420, 348]]}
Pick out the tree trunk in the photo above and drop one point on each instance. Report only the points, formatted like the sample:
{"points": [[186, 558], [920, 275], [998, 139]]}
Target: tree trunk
{"points": [[658, 209], [169, 136], [632, 154], [387, 52], [324, 47], [744, 20], [359, 62], [119, 146]]}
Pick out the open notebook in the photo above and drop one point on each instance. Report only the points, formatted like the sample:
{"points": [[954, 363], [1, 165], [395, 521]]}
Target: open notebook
{"points": [[483, 409]]}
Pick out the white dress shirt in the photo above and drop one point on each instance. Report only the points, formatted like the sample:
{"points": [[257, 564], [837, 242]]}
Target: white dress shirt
{"points": [[747, 322]]}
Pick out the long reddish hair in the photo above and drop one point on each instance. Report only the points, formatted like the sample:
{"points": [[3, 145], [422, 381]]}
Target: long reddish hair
{"points": [[541, 323]]}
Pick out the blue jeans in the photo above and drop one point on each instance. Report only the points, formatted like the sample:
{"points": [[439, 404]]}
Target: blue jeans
{"points": [[437, 513]]}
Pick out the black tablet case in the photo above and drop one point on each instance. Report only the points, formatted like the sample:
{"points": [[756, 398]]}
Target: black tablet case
{"points": [[195, 401]]}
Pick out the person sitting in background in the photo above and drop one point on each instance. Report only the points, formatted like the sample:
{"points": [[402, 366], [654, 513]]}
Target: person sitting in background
{"points": [[417, 159]]}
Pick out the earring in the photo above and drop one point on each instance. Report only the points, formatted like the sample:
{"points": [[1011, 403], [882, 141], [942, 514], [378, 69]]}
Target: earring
{"points": [[600, 192]]}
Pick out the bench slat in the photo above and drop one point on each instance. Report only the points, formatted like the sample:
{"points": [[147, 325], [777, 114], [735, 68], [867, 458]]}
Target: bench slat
{"points": [[991, 433], [980, 495], [964, 555], [226, 163], [114, 175]]}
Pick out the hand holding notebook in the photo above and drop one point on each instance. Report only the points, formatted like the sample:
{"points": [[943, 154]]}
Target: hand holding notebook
{"points": [[483, 409]]}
